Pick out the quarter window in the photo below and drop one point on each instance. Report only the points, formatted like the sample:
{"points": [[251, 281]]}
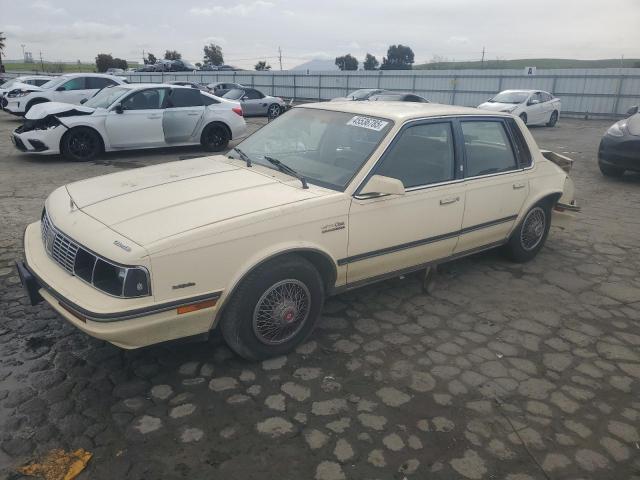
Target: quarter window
{"points": [[151, 99], [185, 97], [207, 100], [423, 155], [253, 94], [487, 148]]}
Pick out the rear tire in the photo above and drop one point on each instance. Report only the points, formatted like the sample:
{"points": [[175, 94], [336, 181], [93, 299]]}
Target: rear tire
{"points": [[81, 144], [274, 111], [215, 137], [553, 119], [523, 117], [611, 171], [531, 233], [274, 309]]}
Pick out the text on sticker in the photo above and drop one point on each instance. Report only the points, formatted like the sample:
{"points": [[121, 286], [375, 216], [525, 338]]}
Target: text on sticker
{"points": [[367, 122]]}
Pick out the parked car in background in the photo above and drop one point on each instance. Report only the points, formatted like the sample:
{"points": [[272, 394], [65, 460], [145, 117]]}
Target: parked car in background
{"points": [[215, 68], [256, 103], [359, 95], [68, 88], [162, 66], [220, 88], [126, 117], [308, 206], [398, 97], [21, 83], [534, 107], [182, 66], [619, 149], [114, 71], [149, 67], [199, 86]]}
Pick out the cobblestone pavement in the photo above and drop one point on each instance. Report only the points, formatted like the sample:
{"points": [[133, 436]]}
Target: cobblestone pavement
{"points": [[505, 371]]}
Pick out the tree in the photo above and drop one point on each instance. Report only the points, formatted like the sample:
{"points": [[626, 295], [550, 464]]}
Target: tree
{"points": [[198, 64], [347, 62], [213, 54], [370, 62], [172, 55], [103, 62], [119, 63], [399, 57], [151, 59], [2, 47], [262, 65]]}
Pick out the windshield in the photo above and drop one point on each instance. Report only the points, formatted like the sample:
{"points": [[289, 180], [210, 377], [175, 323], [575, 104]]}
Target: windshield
{"points": [[234, 94], [360, 94], [510, 97], [53, 82], [105, 97], [327, 148], [10, 83]]}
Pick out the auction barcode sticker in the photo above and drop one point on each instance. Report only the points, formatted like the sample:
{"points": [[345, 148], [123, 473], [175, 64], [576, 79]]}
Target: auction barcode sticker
{"points": [[367, 122]]}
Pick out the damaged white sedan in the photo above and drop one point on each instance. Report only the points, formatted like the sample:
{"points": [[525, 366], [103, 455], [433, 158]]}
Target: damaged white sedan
{"points": [[126, 117]]}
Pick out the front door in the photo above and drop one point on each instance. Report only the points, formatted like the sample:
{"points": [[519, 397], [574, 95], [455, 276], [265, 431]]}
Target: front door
{"points": [[72, 91], [140, 123], [496, 188], [253, 102], [399, 232], [183, 114]]}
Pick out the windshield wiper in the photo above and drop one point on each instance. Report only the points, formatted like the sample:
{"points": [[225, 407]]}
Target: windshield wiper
{"points": [[286, 169], [243, 156]]}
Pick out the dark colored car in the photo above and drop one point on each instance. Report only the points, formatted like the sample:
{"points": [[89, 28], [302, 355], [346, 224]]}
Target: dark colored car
{"points": [[182, 66], [398, 97], [220, 88], [620, 147]]}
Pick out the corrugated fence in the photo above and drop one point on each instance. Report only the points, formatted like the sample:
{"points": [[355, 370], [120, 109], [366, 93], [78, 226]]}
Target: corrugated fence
{"points": [[584, 92]]}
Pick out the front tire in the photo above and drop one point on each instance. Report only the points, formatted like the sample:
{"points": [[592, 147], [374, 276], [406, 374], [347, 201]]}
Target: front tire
{"points": [[215, 138], [553, 119], [81, 144], [274, 309], [530, 235], [611, 171]]}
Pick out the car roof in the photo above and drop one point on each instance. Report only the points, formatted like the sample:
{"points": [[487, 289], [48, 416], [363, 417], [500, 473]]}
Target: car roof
{"points": [[79, 74], [522, 91], [136, 86], [399, 111]]}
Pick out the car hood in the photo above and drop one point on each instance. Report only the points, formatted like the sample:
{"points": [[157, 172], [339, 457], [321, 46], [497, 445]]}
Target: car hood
{"points": [[15, 86], [150, 204], [497, 106], [42, 110]]}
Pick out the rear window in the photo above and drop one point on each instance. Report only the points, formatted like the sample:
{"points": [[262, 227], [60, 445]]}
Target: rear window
{"points": [[186, 97], [487, 146]]}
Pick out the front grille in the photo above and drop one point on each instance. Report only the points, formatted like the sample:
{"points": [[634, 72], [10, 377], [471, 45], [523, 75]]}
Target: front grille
{"points": [[59, 247]]}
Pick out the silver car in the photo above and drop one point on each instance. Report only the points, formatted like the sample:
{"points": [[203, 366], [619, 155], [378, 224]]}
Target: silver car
{"points": [[256, 103]]}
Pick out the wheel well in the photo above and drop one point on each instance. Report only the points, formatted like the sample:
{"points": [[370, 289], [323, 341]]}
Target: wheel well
{"points": [[222, 124], [321, 261], [551, 198], [82, 126], [34, 102]]}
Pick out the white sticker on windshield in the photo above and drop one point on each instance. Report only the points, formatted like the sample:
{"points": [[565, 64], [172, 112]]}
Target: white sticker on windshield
{"points": [[367, 122]]}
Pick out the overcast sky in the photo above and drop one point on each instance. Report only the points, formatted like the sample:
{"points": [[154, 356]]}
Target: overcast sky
{"points": [[249, 30]]}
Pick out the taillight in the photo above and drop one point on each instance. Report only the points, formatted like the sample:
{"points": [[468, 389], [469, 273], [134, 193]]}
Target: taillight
{"points": [[237, 110]]}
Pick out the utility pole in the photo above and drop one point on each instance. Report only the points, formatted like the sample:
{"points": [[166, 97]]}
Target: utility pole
{"points": [[482, 63], [22, 45], [143, 60], [280, 57], [41, 62]]}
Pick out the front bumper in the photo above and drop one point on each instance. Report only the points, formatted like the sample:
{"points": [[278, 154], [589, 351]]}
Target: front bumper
{"points": [[45, 142], [622, 152], [127, 323], [15, 106]]}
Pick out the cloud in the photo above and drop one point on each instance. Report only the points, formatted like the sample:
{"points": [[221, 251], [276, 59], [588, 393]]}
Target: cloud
{"points": [[75, 31], [240, 9], [458, 41], [45, 7], [216, 40]]}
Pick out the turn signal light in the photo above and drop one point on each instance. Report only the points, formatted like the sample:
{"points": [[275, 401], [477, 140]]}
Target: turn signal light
{"points": [[194, 307], [238, 110]]}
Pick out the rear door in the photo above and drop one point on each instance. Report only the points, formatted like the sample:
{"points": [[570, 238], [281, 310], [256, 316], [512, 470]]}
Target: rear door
{"points": [[496, 184], [183, 115], [140, 123]]}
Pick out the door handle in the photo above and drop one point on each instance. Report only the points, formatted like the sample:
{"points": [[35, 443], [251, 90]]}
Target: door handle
{"points": [[518, 186], [153, 116], [193, 114], [448, 201]]}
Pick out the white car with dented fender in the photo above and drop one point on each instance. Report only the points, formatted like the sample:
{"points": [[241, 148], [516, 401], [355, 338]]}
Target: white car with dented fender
{"points": [[534, 107], [126, 117], [326, 198]]}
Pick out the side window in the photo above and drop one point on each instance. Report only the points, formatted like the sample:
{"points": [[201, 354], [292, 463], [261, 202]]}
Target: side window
{"points": [[546, 97], [74, 84], [253, 94], [39, 82], [522, 149], [487, 147], [423, 155], [537, 96], [206, 100], [185, 97], [150, 99], [97, 83]]}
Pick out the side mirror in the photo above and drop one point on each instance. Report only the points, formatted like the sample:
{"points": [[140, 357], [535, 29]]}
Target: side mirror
{"points": [[83, 101], [119, 108], [244, 97], [60, 89], [633, 110], [381, 185]]}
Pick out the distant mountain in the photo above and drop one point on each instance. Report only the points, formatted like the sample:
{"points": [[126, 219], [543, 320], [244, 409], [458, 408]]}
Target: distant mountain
{"points": [[317, 65], [542, 63]]}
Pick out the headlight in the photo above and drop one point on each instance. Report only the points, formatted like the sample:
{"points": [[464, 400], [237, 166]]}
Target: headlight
{"points": [[120, 281], [19, 93], [616, 130], [509, 109]]}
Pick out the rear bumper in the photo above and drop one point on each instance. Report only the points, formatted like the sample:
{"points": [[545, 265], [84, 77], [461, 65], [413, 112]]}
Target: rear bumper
{"points": [[621, 152]]}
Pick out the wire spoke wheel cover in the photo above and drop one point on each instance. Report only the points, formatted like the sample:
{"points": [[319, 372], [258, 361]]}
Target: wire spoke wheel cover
{"points": [[281, 312], [533, 228]]}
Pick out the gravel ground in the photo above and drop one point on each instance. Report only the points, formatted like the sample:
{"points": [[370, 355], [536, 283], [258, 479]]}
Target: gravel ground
{"points": [[504, 371]]}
